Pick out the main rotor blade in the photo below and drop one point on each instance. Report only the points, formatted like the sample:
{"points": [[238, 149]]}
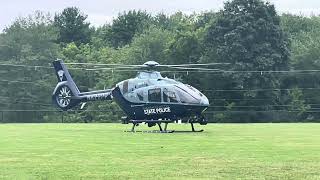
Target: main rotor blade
{"points": [[142, 66], [98, 64], [191, 68], [182, 65]]}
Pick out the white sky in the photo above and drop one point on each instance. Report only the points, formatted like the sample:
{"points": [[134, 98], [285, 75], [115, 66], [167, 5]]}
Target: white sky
{"points": [[101, 11]]}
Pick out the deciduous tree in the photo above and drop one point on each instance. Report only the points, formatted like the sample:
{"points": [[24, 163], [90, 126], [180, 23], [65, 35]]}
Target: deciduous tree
{"points": [[72, 26]]}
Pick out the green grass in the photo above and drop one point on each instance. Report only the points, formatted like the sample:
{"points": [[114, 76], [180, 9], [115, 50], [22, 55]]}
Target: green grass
{"points": [[104, 151]]}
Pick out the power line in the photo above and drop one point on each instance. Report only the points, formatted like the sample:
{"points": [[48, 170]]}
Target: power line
{"points": [[234, 99], [25, 98], [240, 90], [245, 100], [36, 67], [260, 111], [253, 106], [204, 70], [28, 66], [206, 112], [206, 90], [13, 81], [36, 82], [23, 102], [211, 106]]}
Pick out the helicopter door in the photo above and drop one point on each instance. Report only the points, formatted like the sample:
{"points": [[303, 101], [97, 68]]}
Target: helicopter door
{"points": [[169, 96], [154, 95]]}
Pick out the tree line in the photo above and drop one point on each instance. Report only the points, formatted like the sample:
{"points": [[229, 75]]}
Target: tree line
{"points": [[272, 75]]}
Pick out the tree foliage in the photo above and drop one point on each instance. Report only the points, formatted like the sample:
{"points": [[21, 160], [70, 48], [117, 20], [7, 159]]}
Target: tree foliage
{"points": [[126, 26], [72, 26], [248, 35]]}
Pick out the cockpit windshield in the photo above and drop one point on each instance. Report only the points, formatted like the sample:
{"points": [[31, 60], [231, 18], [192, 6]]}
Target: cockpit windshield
{"points": [[194, 90], [149, 75], [186, 95]]}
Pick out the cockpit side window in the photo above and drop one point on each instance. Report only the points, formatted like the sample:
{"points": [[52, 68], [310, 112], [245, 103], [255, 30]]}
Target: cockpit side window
{"points": [[169, 96], [154, 95]]}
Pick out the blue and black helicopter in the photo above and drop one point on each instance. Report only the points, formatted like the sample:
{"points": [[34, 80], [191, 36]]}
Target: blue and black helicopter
{"points": [[148, 98]]}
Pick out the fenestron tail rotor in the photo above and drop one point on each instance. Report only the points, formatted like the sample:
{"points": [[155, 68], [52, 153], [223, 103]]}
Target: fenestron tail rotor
{"points": [[63, 97]]}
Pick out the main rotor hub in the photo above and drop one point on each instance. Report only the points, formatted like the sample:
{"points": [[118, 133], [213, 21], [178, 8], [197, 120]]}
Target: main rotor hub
{"points": [[151, 64]]}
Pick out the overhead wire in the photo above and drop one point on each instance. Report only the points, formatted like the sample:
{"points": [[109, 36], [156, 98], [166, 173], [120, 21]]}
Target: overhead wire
{"points": [[206, 90], [260, 111], [23, 102], [245, 90], [29, 66], [259, 106], [206, 112], [13, 81], [253, 99]]}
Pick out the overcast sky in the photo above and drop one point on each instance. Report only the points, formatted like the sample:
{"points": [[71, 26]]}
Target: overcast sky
{"points": [[101, 11]]}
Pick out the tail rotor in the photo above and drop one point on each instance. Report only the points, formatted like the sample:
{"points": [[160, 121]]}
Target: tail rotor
{"points": [[63, 96]]}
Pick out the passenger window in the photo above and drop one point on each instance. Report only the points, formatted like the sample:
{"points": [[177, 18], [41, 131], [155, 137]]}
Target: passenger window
{"points": [[169, 96], [154, 95]]}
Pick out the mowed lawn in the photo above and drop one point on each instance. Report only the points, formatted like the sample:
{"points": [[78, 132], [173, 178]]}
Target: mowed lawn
{"points": [[104, 151]]}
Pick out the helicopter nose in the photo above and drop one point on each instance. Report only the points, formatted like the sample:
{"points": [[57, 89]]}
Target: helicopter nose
{"points": [[204, 101]]}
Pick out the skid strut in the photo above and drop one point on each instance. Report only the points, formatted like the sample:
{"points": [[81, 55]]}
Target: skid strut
{"points": [[136, 123], [133, 126], [159, 124], [165, 126], [161, 130], [193, 130]]}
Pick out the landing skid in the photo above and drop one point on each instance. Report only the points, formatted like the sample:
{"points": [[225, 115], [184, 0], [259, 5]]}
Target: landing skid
{"points": [[154, 131], [161, 130]]}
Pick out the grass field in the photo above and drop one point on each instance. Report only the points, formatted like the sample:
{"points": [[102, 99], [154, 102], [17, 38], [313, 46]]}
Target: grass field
{"points": [[104, 151]]}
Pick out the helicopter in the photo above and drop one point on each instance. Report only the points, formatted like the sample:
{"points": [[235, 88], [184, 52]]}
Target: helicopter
{"points": [[147, 98]]}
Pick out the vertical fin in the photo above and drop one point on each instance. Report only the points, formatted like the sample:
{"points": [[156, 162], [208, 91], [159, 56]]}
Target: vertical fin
{"points": [[63, 74]]}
